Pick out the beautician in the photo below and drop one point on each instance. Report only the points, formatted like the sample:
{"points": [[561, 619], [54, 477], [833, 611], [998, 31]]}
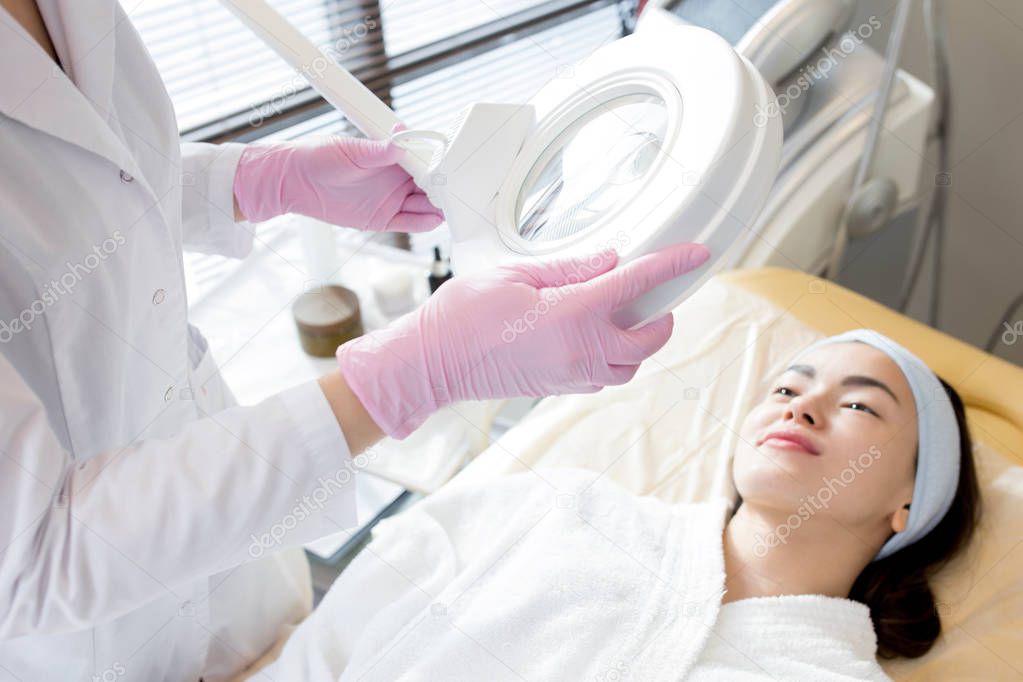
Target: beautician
{"points": [[131, 486]]}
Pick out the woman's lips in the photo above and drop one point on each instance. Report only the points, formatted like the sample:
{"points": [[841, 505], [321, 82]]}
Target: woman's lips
{"points": [[789, 441]]}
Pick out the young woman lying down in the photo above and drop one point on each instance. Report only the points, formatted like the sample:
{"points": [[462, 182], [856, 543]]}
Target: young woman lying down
{"points": [[856, 482]]}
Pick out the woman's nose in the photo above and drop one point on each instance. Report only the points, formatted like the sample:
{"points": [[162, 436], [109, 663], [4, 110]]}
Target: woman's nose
{"points": [[801, 410]]}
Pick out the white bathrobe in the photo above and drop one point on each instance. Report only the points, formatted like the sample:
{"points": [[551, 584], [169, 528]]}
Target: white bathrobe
{"points": [[560, 575]]}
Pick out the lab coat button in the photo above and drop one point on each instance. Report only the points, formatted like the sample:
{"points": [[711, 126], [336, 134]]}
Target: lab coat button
{"points": [[126, 177], [158, 296], [169, 394]]}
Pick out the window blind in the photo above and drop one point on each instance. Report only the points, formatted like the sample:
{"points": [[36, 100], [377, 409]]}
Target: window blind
{"points": [[510, 72], [213, 66], [225, 84]]}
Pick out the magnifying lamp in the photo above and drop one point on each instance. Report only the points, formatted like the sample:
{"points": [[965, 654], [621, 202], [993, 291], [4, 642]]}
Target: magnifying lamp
{"points": [[655, 139]]}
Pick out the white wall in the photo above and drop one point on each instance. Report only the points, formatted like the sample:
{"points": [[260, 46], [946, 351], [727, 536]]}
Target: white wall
{"points": [[983, 255]]}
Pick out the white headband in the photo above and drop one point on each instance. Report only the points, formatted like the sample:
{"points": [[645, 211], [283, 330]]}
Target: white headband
{"points": [[937, 465]]}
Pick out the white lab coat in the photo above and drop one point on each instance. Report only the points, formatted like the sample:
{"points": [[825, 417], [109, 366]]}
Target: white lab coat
{"points": [[130, 507]]}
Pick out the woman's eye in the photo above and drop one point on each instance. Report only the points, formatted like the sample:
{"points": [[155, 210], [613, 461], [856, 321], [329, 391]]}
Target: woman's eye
{"points": [[790, 392], [857, 406]]}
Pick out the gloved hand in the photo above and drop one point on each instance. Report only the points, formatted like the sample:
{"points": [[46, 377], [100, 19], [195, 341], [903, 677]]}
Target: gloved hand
{"points": [[532, 329], [345, 181]]}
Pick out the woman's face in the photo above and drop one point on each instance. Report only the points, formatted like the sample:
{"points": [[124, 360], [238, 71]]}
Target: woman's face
{"points": [[853, 407]]}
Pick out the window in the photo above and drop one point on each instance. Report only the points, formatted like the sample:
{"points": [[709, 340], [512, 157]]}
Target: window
{"points": [[425, 58], [212, 66]]}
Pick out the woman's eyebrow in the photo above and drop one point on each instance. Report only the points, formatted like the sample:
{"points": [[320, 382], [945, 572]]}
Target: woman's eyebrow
{"points": [[851, 380]]}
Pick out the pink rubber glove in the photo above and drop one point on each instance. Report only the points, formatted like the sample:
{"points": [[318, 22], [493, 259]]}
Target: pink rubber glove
{"points": [[532, 329], [345, 181]]}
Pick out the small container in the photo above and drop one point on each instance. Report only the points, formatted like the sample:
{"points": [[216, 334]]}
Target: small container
{"points": [[393, 290], [327, 317], [440, 271]]}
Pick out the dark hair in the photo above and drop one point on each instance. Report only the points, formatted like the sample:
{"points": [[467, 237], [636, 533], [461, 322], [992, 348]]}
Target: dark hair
{"points": [[906, 619]]}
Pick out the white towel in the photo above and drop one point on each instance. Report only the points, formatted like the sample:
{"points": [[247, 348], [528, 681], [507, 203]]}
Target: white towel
{"points": [[802, 637], [548, 575]]}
